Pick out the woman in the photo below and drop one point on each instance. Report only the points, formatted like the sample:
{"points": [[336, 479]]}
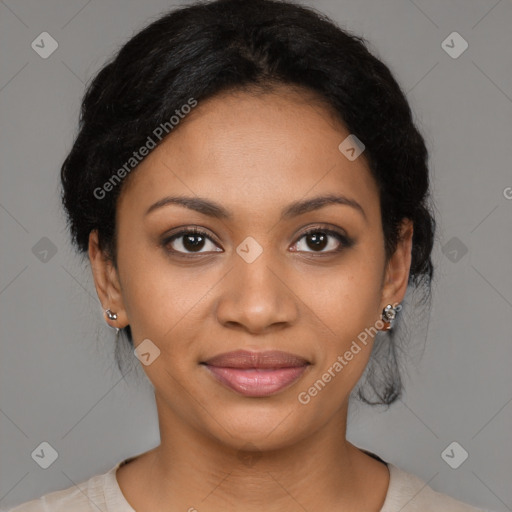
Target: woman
{"points": [[252, 194]]}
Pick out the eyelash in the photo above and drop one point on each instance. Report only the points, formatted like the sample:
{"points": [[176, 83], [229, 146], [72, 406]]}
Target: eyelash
{"points": [[345, 242]]}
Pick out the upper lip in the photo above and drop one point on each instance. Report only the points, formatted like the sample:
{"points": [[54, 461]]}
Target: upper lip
{"points": [[245, 359]]}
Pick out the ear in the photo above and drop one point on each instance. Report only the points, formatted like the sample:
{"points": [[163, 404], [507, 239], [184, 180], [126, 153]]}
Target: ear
{"points": [[106, 281], [397, 270]]}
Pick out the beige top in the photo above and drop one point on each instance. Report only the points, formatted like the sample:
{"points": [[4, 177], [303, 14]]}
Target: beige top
{"points": [[406, 493]]}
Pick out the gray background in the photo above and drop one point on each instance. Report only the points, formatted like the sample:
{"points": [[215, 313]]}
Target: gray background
{"points": [[59, 382]]}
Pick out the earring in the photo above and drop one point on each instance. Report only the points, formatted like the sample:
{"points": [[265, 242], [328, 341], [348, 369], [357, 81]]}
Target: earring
{"points": [[110, 314], [113, 316], [389, 315]]}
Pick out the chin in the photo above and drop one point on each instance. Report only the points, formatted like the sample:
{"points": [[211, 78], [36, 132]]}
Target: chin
{"points": [[266, 427]]}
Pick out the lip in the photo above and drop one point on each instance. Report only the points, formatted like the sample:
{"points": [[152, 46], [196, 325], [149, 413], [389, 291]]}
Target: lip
{"points": [[244, 359], [256, 374]]}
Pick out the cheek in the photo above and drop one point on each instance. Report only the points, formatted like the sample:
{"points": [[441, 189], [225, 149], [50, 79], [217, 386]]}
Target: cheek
{"points": [[145, 288], [346, 308], [347, 298], [160, 298]]}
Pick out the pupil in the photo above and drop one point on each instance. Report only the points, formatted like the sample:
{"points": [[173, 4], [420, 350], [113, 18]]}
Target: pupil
{"points": [[318, 240], [191, 246]]}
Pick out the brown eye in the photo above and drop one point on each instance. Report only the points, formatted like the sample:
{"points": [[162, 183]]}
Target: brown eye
{"points": [[189, 241], [319, 239]]}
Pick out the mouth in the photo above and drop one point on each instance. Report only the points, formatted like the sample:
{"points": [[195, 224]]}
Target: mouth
{"points": [[256, 374]]}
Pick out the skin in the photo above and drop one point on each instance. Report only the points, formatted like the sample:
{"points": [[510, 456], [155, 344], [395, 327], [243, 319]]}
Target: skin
{"points": [[254, 154]]}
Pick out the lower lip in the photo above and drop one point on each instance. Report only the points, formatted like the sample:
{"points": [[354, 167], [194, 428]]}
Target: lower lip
{"points": [[255, 381]]}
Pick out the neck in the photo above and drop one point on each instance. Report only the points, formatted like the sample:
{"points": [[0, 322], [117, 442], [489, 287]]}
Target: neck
{"points": [[193, 471]]}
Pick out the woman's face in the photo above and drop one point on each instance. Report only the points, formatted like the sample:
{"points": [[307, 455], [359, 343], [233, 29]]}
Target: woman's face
{"points": [[254, 282]]}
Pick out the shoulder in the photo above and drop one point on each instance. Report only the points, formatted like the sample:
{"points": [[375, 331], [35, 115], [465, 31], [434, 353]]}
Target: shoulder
{"points": [[87, 496], [409, 493], [66, 499]]}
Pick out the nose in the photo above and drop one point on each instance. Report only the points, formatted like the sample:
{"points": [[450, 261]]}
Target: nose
{"points": [[257, 297]]}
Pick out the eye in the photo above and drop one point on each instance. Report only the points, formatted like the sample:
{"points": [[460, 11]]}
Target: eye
{"points": [[319, 238], [189, 241]]}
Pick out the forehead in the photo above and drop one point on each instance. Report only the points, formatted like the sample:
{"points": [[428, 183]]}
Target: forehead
{"points": [[254, 149]]}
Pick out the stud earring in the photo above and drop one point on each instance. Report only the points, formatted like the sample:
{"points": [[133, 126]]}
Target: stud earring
{"points": [[110, 314], [389, 315]]}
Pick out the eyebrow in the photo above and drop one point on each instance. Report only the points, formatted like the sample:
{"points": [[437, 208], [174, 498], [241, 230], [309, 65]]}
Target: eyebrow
{"points": [[215, 210]]}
